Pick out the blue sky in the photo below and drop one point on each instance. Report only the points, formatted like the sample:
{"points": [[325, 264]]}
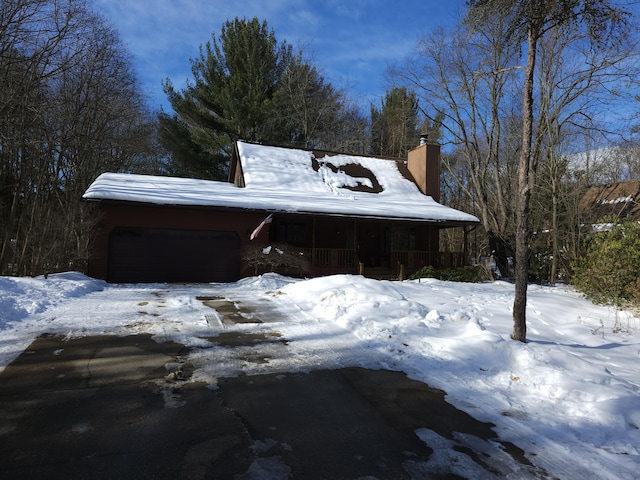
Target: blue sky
{"points": [[352, 42]]}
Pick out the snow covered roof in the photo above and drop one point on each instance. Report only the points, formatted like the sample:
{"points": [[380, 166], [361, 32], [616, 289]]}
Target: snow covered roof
{"points": [[282, 179]]}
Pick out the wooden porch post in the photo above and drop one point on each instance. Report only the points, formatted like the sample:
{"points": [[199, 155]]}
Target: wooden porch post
{"points": [[430, 248], [355, 247], [464, 246], [313, 242]]}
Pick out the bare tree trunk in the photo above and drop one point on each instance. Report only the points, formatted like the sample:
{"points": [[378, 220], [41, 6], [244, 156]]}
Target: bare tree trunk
{"points": [[555, 251], [525, 181]]}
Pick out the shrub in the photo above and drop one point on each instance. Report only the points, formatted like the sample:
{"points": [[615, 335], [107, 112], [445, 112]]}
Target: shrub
{"points": [[280, 258], [462, 274], [424, 272], [609, 270]]}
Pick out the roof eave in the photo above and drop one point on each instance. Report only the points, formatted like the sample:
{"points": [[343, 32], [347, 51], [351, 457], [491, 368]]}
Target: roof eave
{"points": [[443, 223]]}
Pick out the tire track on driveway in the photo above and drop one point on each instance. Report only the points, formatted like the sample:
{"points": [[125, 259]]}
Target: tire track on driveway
{"points": [[258, 335]]}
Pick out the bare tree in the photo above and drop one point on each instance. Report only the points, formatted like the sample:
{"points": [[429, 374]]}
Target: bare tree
{"points": [[473, 76], [349, 133], [530, 21], [70, 109], [466, 86], [577, 86]]}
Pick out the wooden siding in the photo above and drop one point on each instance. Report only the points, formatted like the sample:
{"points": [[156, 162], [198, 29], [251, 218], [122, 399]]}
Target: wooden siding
{"points": [[332, 244]]}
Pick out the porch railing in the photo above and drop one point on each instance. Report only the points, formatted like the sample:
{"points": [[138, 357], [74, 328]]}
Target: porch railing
{"points": [[414, 259], [331, 257], [346, 259]]}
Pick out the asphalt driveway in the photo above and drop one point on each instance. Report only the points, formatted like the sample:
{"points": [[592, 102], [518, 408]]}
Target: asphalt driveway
{"points": [[122, 407]]}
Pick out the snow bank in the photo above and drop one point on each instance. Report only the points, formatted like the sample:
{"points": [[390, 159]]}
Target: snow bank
{"points": [[21, 297], [569, 398]]}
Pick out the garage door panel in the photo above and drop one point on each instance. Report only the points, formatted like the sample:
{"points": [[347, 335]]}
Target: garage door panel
{"points": [[167, 255]]}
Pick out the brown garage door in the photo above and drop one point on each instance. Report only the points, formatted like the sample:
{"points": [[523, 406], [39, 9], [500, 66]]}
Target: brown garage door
{"points": [[166, 255]]}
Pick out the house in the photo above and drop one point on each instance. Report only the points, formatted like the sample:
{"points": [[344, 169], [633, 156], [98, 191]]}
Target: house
{"points": [[341, 213], [612, 201]]}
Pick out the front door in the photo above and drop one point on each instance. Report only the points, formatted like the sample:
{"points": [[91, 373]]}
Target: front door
{"points": [[374, 243]]}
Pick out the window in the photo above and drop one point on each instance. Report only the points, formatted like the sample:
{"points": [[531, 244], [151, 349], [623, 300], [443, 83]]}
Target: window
{"points": [[404, 239], [292, 233]]}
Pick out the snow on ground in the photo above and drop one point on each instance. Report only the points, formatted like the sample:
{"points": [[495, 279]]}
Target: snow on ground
{"points": [[570, 397]]}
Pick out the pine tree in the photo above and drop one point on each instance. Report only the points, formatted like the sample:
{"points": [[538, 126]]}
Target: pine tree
{"points": [[230, 97], [394, 127]]}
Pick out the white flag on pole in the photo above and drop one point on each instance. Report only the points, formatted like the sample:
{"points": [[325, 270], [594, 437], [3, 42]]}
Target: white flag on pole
{"points": [[256, 232]]}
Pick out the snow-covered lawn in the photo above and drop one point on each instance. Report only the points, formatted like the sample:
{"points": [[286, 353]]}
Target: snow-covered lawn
{"points": [[570, 397]]}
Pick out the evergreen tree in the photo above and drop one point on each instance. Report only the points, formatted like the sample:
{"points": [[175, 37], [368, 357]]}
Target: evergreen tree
{"points": [[394, 127], [230, 97], [248, 86], [307, 107], [609, 271]]}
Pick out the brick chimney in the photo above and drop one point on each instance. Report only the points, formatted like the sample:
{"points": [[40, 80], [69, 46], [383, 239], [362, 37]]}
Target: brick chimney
{"points": [[423, 163]]}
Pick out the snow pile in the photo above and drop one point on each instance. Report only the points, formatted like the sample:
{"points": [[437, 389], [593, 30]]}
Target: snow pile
{"points": [[575, 380], [21, 297], [569, 398]]}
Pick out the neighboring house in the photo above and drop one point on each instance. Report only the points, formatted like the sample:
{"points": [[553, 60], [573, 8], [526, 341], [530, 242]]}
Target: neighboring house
{"points": [[614, 201], [342, 213]]}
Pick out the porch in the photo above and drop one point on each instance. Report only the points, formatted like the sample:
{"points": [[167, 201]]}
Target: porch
{"points": [[397, 265], [371, 247]]}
